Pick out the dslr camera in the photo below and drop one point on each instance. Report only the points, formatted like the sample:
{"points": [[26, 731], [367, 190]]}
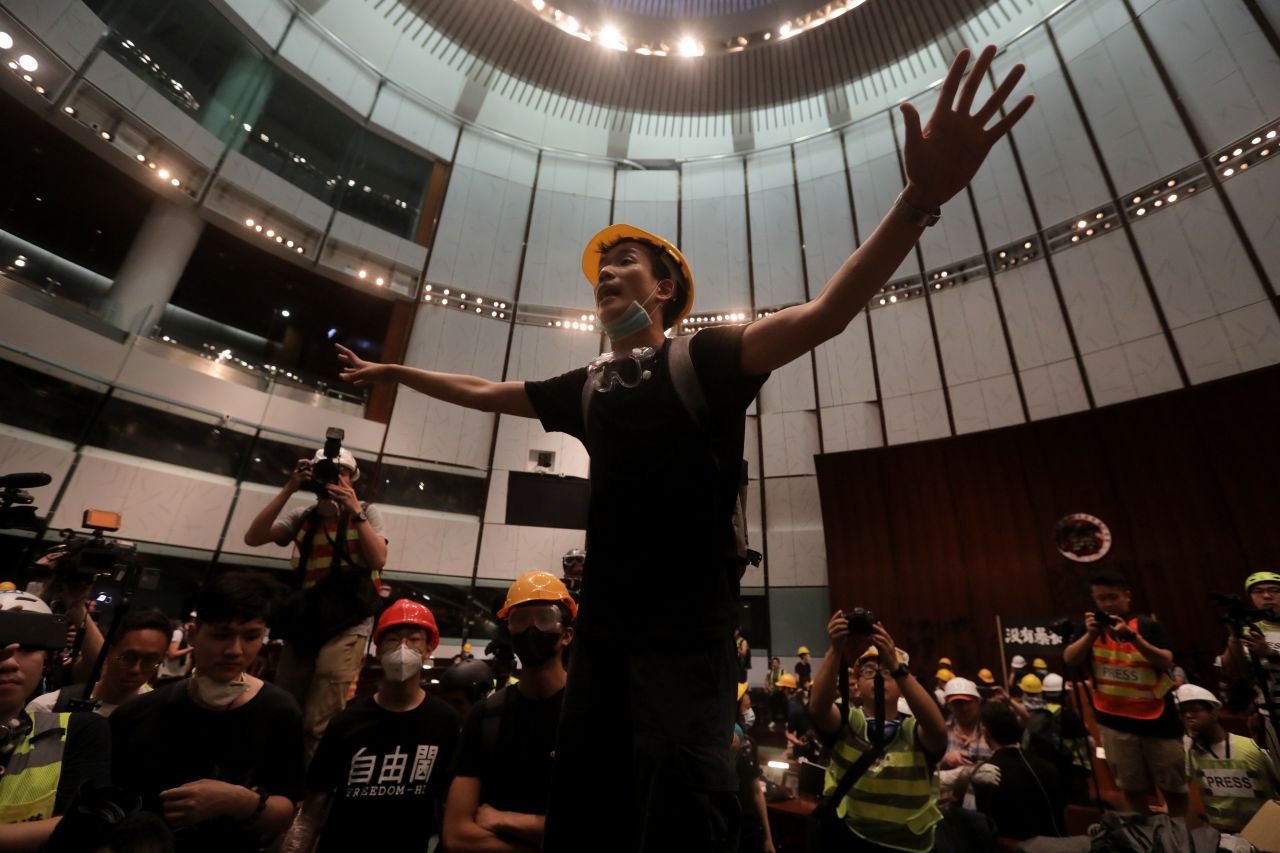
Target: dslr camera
{"points": [[862, 622], [324, 472]]}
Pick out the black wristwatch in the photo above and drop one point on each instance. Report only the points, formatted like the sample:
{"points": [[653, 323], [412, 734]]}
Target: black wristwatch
{"points": [[902, 671], [361, 516]]}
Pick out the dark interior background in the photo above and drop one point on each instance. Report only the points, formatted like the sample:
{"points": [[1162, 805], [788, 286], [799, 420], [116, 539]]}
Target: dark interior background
{"points": [[940, 537]]}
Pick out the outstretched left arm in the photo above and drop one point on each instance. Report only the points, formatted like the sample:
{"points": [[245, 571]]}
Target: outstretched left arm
{"points": [[940, 161]]}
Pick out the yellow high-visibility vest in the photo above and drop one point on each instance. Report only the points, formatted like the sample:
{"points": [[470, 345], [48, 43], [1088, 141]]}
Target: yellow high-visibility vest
{"points": [[29, 786]]}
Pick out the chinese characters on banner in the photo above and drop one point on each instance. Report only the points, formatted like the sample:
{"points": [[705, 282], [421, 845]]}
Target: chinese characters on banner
{"points": [[1026, 636]]}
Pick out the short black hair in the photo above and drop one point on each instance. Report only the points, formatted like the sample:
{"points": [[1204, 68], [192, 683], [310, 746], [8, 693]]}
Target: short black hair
{"points": [[235, 596], [1001, 722], [1109, 577], [147, 620], [664, 267]]}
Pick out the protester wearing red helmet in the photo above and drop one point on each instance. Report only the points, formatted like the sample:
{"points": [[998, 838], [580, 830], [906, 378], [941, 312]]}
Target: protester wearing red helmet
{"points": [[383, 762]]}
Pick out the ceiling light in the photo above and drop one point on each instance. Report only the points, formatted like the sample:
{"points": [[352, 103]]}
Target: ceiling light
{"points": [[28, 62], [1226, 173], [271, 232], [611, 38], [893, 299], [6, 40], [1081, 224], [1237, 152], [1173, 197], [571, 24], [784, 31], [446, 291], [247, 127], [142, 158], [175, 182], [284, 312], [164, 174], [20, 262], [539, 5], [279, 239], [379, 281], [690, 47], [299, 250], [1142, 211], [257, 228], [288, 243], [69, 110]]}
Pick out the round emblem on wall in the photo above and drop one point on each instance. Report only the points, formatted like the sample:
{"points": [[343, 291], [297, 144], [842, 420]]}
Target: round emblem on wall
{"points": [[1082, 537]]}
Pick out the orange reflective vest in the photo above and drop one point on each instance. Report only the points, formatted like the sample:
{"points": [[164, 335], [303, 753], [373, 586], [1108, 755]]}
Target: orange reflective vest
{"points": [[320, 556], [1124, 682]]}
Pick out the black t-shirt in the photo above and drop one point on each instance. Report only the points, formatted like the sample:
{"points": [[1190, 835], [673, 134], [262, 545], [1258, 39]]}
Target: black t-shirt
{"points": [[1029, 800], [1168, 724], [164, 740], [747, 766], [804, 673], [658, 500], [516, 775], [384, 769]]}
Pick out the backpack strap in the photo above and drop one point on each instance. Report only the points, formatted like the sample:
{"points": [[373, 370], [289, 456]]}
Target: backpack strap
{"points": [[587, 391], [685, 379], [491, 721], [308, 528]]}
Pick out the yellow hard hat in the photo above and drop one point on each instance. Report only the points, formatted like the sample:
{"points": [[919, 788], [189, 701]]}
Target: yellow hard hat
{"points": [[787, 680], [538, 586], [944, 662], [985, 676], [466, 648], [1260, 577], [1030, 683], [1039, 663], [873, 652], [619, 232], [742, 688], [803, 650], [944, 675], [7, 586]]}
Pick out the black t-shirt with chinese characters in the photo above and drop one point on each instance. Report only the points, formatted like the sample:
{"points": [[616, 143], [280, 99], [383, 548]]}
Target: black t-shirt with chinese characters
{"points": [[164, 740], [1168, 724], [515, 776], [386, 772], [659, 529]]}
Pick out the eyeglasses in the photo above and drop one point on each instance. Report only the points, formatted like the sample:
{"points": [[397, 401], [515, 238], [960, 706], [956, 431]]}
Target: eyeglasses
{"points": [[145, 662], [1266, 591], [542, 618], [612, 369]]}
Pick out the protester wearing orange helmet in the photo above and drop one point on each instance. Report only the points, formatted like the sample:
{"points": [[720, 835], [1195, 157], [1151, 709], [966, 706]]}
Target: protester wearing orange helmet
{"points": [[383, 762], [502, 775]]}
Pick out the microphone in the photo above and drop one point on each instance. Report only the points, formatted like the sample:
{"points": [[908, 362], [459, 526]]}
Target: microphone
{"points": [[32, 480]]}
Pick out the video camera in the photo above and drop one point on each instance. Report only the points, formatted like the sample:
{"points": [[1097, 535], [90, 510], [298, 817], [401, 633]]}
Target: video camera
{"points": [[82, 559], [1236, 614], [16, 504], [325, 472]]}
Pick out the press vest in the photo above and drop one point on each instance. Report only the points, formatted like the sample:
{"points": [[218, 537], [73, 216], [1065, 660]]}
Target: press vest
{"points": [[29, 786], [1234, 787], [324, 538], [895, 803], [1124, 682], [1271, 631]]}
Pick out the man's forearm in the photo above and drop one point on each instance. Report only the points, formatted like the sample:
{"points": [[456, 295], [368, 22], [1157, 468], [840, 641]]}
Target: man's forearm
{"points": [[302, 834], [762, 808], [524, 828], [469, 837], [822, 693], [1078, 652], [1157, 657], [372, 546], [454, 388], [90, 648], [259, 532]]}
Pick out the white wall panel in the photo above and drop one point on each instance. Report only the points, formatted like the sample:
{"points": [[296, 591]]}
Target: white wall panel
{"points": [[412, 121], [904, 349], [1130, 112], [170, 380], [793, 516], [790, 441], [508, 551], [159, 502], [824, 208], [1064, 175], [570, 204], [425, 542], [482, 225], [1254, 193], [1104, 293], [67, 27], [22, 450], [775, 230], [273, 191], [789, 388], [969, 332], [27, 329], [1222, 66], [268, 18], [851, 427], [846, 373], [714, 221], [648, 199], [876, 177], [998, 192], [425, 428]]}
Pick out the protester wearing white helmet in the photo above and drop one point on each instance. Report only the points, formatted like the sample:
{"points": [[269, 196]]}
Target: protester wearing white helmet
{"points": [[45, 757], [1234, 776], [338, 553], [1056, 733], [966, 743]]}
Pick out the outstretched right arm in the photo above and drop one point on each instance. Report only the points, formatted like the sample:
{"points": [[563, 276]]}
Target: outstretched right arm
{"points": [[472, 392]]}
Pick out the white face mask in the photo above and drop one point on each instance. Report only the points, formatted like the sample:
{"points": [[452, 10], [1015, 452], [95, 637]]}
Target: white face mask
{"points": [[748, 718], [401, 663], [218, 695]]}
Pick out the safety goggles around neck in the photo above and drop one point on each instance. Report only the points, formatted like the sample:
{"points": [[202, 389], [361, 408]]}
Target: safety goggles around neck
{"points": [[621, 369]]}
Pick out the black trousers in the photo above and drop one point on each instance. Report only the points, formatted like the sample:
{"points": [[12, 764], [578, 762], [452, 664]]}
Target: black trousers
{"points": [[643, 757]]}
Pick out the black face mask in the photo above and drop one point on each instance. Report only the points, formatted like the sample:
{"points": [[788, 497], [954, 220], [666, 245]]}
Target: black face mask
{"points": [[534, 647]]}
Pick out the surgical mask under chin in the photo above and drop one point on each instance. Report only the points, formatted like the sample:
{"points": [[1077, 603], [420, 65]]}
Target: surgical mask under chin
{"points": [[402, 663], [535, 647], [634, 319], [748, 718], [219, 695]]}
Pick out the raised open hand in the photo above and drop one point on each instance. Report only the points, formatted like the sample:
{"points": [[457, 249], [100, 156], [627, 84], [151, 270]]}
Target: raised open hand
{"points": [[358, 371], [943, 157]]}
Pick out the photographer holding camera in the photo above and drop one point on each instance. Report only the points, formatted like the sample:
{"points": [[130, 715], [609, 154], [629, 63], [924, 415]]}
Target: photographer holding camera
{"points": [[890, 798], [338, 551], [1253, 651], [1129, 657]]}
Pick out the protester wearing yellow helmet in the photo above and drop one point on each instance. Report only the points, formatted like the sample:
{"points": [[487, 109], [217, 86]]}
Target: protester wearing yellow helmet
{"points": [[1255, 656], [940, 679], [502, 775], [663, 421], [804, 670]]}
